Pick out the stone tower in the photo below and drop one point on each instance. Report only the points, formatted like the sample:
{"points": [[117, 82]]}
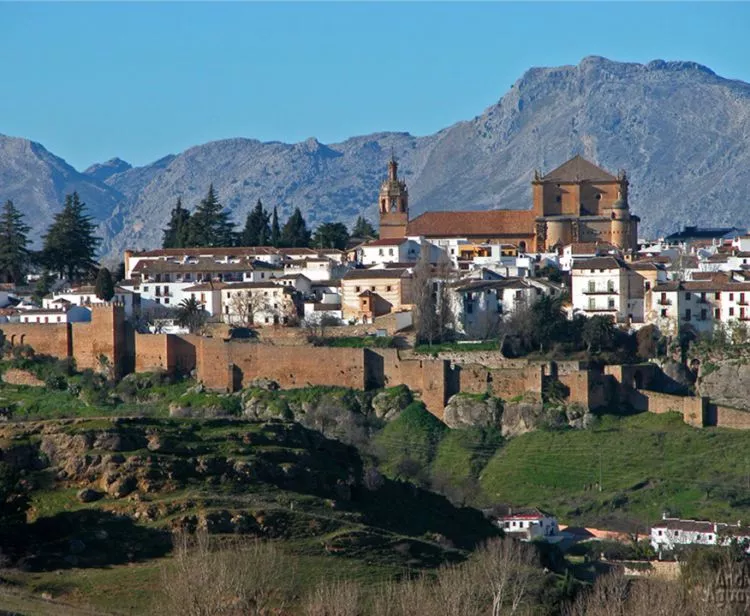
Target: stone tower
{"points": [[393, 204], [621, 234]]}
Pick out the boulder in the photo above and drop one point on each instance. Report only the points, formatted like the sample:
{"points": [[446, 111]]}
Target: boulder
{"points": [[88, 495], [467, 411], [522, 417], [388, 404], [122, 486], [264, 383], [118, 441], [726, 382]]}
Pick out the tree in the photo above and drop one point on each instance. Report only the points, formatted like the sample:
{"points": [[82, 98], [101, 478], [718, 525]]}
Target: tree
{"points": [[275, 230], [331, 235], [245, 305], [433, 317], [295, 233], [43, 286], [548, 321], [598, 333], [14, 500], [70, 243], [177, 233], [256, 231], [210, 224], [190, 314], [105, 287], [14, 255], [363, 229]]}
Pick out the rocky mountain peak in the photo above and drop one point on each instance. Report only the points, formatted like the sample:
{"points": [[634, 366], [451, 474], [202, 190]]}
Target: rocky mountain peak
{"points": [[103, 171]]}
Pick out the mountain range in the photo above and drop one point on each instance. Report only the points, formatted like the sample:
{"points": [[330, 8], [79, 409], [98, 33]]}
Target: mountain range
{"points": [[681, 132]]}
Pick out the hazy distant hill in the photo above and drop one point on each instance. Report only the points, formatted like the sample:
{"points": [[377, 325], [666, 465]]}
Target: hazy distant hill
{"points": [[679, 130]]}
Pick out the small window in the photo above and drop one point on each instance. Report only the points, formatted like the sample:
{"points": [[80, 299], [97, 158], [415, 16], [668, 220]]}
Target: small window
{"points": [[598, 197], [558, 199], [688, 314], [731, 312], [664, 313], [611, 303], [687, 295], [166, 300], [717, 313], [390, 251], [372, 288], [731, 297], [388, 288], [717, 295], [357, 289]]}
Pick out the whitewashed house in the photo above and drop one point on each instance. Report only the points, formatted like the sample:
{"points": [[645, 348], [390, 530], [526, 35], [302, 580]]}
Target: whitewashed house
{"points": [[64, 313], [86, 296], [671, 533], [260, 304], [608, 286], [529, 523]]}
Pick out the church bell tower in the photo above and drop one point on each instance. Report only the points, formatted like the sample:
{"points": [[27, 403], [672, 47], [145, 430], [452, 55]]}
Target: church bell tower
{"points": [[393, 204]]}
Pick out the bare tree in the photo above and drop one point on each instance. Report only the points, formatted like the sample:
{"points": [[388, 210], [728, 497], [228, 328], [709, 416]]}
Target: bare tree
{"points": [[433, 316], [342, 598], [243, 577], [507, 568], [245, 306]]}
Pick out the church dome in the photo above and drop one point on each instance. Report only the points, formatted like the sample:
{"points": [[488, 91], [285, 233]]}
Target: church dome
{"points": [[621, 203]]}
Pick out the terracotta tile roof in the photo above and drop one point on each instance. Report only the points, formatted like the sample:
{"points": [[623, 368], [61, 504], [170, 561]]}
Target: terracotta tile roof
{"points": [[208, 251], [608, 262], [385, 242], [367, 274], [259, 285], [207, 286], [578, 169], [589, 248], [698, 526], [482, 223]]}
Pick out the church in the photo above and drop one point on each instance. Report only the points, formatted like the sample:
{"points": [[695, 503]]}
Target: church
{"points": [[576, 202]]}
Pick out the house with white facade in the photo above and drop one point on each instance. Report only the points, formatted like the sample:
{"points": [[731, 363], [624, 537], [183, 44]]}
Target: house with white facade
{"points": [[258, 304], [165, 282], [528, 524], [396, 250], [86, 296], [64, 313], [721, 298], [670, 533], [581, 251], [480, 306], [608, 286]]}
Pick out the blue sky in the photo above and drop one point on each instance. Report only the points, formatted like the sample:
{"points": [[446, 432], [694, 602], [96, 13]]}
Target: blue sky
{"points": [[141, 80]]}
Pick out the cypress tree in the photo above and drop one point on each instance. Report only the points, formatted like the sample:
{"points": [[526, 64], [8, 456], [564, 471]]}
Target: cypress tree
{"points": [[70, 243], [105, 287], [178, 228], [363, 228], [14, 255], [210, 224], [256, 231], [295, 233], [275, 230]]}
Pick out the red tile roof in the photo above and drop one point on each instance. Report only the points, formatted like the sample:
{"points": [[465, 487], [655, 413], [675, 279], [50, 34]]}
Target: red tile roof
{"points": [[578, 169], [482, 224]]}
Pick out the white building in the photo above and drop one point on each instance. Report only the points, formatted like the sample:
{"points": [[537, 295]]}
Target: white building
{"points": [[529, 524], [260, 303], [481, 305], [167, 282], [65, 313], [86, 296], [671, 533], [581, 251], [719, 299], [398, 250], [608, 286]]}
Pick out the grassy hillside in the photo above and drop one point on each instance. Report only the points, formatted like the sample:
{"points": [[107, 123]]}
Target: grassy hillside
{"points": [[648, 464]]}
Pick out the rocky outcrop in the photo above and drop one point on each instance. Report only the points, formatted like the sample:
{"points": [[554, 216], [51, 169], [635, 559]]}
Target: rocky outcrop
{"points": [[725, 382], [522, 417], [468, 411], [388, 404]]}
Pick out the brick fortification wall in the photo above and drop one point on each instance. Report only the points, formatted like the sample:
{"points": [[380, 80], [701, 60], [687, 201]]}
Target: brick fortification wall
{"points": [[170, 352], [45, 338], [104, 335], [694, 409], [728, 417], [506, 383]]}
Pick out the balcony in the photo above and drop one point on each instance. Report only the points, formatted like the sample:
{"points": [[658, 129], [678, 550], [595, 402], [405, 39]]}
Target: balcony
{"points": [[600, 292], [742, 302], [600, 310]]}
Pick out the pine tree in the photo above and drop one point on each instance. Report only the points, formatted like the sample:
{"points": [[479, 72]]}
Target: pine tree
{"points": [[210, 224], [178, 228], [275, 230], [105, 287], [14, 255], [331, 235], [70, 243], [256, 231], [363, 229], [295, 233]]}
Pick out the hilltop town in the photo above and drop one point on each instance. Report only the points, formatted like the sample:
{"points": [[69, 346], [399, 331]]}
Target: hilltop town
{"points": [[490, 323]]}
